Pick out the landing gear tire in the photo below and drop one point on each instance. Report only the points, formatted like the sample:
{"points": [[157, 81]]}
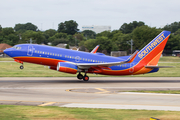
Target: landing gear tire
{"points": [[80, 76], [85, 78], [21, 67]]}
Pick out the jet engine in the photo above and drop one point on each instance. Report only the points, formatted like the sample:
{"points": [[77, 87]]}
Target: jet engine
{"points": [[67, 67]]}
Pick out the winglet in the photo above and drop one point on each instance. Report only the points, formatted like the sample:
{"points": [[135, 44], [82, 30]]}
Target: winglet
{"points": [[132, 57], [95, 49]]}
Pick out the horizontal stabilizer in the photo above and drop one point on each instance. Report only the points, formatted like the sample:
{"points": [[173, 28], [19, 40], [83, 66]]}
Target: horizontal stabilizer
{"points": [[158, 66]]}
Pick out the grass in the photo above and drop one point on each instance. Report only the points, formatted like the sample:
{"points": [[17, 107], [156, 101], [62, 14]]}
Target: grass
{"points": [[12, 112], [165, 72], [169, 59], [11, 69], [6, 59]]}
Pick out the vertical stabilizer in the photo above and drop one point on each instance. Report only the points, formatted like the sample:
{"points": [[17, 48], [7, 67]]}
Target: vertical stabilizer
{"points": [[151, 53]]}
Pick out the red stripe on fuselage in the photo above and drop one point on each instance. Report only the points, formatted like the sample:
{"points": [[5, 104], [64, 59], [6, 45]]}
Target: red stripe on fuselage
{"points": [[40, 60], [68, 70]]}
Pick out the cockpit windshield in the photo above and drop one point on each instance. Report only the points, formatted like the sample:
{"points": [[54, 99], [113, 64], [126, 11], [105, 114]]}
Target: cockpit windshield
{"points": [[16, 47]]}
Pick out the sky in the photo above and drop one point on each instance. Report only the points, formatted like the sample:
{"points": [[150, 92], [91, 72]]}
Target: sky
{"points": [[47, 14]]}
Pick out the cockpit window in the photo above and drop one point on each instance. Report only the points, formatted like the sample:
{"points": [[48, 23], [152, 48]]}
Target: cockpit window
{"points": [[17, 48]]}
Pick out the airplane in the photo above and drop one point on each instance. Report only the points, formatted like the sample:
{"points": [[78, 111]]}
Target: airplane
{"points": [[70, 61]]}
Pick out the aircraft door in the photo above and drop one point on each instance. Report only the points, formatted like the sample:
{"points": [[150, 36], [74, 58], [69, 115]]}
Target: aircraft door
{"points": [[30, 50]]}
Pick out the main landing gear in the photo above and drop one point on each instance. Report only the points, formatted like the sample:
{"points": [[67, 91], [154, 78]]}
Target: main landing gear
{"points": [[85, 77]]}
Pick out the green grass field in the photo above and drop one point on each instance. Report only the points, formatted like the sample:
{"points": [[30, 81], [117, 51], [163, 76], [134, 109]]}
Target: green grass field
{"points": [[11, 112], [11, 69], [6, 59]]}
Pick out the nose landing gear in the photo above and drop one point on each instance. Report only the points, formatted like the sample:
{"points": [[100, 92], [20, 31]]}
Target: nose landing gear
{"points": [[21, 67], [18, 61]]}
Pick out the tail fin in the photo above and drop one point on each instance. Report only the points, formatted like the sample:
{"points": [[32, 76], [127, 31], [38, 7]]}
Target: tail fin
{"points": [[151, 53]]}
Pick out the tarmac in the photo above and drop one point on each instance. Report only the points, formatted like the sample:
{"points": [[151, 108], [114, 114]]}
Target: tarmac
{"points": [[99, 92]]}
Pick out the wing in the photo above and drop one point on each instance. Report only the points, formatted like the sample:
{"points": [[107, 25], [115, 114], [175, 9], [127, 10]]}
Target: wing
{"points": [[109, 64]]}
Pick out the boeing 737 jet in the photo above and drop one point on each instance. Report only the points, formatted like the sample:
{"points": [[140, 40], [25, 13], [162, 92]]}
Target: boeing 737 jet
{"points": [[71, 61]]}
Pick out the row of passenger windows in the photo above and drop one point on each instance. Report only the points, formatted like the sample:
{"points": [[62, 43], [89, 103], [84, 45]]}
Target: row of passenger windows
{"points": [[47, 53], [66, 56], [72, 57]]}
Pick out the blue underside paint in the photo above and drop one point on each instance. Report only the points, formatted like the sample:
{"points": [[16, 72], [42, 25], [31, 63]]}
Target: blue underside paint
{"points": [[154, 70]]}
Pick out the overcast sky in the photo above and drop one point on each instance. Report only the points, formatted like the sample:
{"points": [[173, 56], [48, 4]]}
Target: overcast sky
{"points": [[47, 14]]}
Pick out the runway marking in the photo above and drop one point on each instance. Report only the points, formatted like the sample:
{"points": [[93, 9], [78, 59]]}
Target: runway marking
{"points": [[45, 104], [103, 91], [68, 90]]}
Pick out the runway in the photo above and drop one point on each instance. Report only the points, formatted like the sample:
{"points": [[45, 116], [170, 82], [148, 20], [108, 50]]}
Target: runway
{"points": [[99, 92]]}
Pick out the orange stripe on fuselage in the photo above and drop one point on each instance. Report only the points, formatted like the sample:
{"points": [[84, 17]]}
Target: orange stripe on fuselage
{"points": [[40, 60], [68, 70]]}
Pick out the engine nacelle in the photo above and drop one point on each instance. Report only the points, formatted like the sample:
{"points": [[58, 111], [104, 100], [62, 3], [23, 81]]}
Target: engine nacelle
{"points": [[52, 68], [67, 67]]}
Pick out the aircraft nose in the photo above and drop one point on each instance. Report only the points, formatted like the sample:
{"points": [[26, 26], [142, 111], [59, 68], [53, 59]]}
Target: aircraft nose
{"points": [[8, 51]]}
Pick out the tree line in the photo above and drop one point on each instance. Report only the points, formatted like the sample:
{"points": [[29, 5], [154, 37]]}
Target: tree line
{"points": [[69, 33]]}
